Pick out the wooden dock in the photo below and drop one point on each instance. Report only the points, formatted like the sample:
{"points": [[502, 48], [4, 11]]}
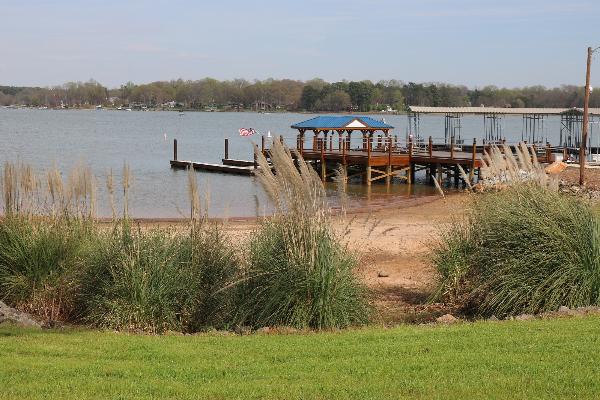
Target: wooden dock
{"points": [[387, 161], [225, 169]]}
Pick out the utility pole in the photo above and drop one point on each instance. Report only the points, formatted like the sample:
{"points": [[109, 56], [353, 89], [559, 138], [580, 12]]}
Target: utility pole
{"points": [[584, 131]]}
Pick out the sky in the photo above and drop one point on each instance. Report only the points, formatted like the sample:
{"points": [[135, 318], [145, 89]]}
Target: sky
{"points": [[469, 42]]}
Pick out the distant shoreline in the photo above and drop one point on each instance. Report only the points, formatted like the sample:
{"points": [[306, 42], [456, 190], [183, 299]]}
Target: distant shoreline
{"points": [[204, 111]]}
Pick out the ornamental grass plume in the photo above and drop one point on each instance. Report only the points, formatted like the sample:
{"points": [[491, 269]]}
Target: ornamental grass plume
{"points": [[526, 249], [299, 273]]}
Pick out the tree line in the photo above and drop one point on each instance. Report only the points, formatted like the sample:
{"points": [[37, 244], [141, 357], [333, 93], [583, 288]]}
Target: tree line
{"points": [[291, 95]]}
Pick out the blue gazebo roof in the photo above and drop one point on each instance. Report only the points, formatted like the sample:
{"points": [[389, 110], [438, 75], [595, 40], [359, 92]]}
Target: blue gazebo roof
{"points": [[346, 122]]}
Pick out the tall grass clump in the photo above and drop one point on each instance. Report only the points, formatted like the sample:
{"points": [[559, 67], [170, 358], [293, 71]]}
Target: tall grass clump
{"points": [[139, 281], [161, 279], [526, 249], [299, 273], [502, 167], [45, 237]]}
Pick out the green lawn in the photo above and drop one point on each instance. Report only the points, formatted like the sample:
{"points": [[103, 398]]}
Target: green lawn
{"points": [[557, 358]]}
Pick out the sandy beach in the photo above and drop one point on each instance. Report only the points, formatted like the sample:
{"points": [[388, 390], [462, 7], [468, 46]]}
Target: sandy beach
{"points": [[392, 245]]}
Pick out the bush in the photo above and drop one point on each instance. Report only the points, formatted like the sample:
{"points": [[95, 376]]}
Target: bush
{"points": [[299, 273], [41, 263], [522, 250], [214, 264], [139, 281], [160, 280]]}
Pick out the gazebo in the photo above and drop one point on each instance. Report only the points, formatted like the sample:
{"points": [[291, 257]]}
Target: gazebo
{"points": [[339, 124]]}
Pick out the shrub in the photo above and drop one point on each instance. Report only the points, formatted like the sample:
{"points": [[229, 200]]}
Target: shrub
{"points": [[213, 267], [526, 249], [160, 280], [299, 273], [41, 263], [139, 281]]}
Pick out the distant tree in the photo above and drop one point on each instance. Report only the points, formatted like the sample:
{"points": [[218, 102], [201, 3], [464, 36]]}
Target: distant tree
{"points": [[335, 101], [309, 98], [361, 94]]}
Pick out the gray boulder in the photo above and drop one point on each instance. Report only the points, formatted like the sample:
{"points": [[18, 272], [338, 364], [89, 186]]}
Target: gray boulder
{"points": [[14, 316]]}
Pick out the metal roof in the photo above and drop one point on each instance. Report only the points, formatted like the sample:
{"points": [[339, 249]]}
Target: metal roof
{"points": [[342, 122], [499, 110]]}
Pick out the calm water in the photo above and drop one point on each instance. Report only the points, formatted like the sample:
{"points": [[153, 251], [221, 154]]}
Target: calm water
{"points": [[106, 139]]}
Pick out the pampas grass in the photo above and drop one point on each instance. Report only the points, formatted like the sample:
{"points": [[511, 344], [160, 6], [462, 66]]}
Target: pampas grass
{"points": [[526, 249], [502, 167], [299, 274]]}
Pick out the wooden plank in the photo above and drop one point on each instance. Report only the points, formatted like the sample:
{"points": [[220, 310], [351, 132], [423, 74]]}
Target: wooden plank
{"points": [[237, 163], [227, 169]]}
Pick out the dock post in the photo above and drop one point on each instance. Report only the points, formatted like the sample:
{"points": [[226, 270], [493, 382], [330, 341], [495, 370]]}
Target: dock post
{"points": [[440, 173], [175, 149], [456, 177], [548, 153], [262, 144], [323, 166], [368, 161], [255, 157], [388, 178], [344, 155], [430, 147], [473, 159], [452, 147], [410, 173], [226, 149]]}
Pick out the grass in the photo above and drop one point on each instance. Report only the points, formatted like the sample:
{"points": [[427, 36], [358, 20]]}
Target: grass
{"points": [[299, 272], [526, 249], [512, 359], [58, 263], [295, 272]]}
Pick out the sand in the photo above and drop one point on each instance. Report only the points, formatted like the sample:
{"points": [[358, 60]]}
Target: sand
{"points": [[392, 245]]}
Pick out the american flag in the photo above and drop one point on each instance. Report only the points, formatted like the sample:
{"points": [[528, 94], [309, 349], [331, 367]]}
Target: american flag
{"points": [[247, 131]]}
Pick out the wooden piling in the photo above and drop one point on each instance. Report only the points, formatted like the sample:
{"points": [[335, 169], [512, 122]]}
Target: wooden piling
{"points": [[262, 145], [344, 155], [473, 160], [452, 148], [368, 161], [388, 178], [430, 147], [175, 149], [410, 173], [226, 149], [323, 166]]}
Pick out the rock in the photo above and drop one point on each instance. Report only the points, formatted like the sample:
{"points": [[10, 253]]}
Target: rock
{"points": [[556, 167], [382, 274], [524, 317], [447, 319], [493, 318], [12, 315], [564, 310], [243, 330]]}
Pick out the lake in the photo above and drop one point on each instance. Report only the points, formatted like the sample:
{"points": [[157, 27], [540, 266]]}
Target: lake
{"points": [[105, 140]]}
